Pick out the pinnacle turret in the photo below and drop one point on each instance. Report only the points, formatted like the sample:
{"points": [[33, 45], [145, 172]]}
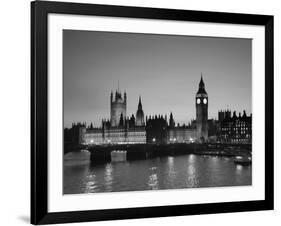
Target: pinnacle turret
{"points": [[201, 89]]}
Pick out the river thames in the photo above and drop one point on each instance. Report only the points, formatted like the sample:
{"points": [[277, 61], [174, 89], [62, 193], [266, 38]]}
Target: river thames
{"points": [[170, 172]]}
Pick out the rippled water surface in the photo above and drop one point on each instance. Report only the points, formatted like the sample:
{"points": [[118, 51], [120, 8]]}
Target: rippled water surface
{"points": [[171, 172]]}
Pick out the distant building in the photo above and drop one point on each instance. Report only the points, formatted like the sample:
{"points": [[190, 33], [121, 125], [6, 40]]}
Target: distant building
{"points": [[120, 129], [181, 134], [118, 106], [197, 131], [235, 129], [171, 121], [140, 115], [93, 136], [213, 130], [158, 129], [74, 135], [116, 135], [223, 114], [201, 103]]}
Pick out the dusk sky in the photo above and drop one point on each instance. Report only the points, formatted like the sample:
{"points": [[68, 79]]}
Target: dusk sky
{"points": [[164, 69]]}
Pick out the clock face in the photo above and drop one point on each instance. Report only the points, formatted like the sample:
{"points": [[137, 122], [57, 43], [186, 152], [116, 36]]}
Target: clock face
{"points": [[205, 101], [198, 101]]}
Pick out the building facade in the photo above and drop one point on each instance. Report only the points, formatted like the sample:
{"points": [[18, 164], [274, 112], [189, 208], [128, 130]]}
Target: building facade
{"points": [[159, 129], [120, 129], [236, 129], [162, 131], [118, 107], [116, 135], [156, 129], [181, 134]]}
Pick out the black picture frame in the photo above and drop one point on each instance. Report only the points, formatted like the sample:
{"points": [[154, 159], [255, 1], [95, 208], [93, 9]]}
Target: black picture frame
{"points": [[39, 112]]}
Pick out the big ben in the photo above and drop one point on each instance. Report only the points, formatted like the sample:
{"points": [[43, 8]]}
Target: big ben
{"points": [[201, 102]]}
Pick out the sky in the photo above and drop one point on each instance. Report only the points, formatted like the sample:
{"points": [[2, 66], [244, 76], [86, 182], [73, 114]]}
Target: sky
{"points": [[164, 70]]}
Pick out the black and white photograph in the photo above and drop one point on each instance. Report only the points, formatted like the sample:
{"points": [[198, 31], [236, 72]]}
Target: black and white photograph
{"points": [[148, 112], [154, 111]]}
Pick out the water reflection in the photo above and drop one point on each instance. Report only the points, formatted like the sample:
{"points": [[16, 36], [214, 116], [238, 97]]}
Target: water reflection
{"points": [[171, 172], [91, 184], [153, 181], [191, 158], [108, 178], [239, 169], [191, 178], [153, 178]]}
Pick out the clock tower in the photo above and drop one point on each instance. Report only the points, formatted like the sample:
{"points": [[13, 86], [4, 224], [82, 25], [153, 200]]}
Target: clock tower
{"points": [[201, 102]]}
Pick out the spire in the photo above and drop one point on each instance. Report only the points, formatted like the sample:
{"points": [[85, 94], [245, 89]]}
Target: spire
{"points": [[171, 120], [125, 96], [201, 84], [201, 89], [121, 121], [118, 95], [140, 105]]}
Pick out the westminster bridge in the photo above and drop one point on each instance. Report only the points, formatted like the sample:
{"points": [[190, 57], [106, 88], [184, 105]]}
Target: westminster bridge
{"points": [[106, 153]]}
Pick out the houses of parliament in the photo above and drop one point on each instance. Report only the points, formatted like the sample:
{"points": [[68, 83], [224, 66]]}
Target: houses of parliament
{"points": [[121, 128], [141, 129]]}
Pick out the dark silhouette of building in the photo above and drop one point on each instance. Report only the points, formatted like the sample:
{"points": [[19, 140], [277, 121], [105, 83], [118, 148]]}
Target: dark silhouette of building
{"points": [[171, 121], [159, 131], [74, 136], [156, 130], [140, 115], [223, 114], [236, 129], [201, 103]]}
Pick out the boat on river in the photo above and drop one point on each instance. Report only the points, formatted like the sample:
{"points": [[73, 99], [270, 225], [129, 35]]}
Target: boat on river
{"points": [[243, 160]]}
